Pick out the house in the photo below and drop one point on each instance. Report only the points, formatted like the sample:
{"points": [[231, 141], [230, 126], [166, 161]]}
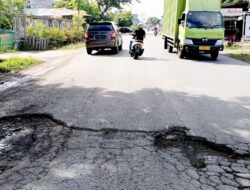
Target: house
{"points": [[233, 14]]}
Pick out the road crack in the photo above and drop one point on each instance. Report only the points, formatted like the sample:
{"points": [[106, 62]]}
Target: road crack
{"points": [[29, 142]]}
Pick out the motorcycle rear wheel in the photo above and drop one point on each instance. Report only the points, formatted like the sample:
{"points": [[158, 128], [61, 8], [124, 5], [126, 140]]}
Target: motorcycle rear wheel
{"points": [[135, 56]]}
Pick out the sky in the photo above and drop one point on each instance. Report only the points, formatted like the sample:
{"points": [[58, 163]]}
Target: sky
{"points": [[147, 7]]}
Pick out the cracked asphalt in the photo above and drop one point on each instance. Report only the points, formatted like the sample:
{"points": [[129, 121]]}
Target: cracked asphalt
{"points": [[109, 122]]}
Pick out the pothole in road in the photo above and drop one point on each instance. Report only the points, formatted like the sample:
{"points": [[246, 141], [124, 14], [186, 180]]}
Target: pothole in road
{"points": [[217, 165], [29, 137], [39, 138], [198, 150]]}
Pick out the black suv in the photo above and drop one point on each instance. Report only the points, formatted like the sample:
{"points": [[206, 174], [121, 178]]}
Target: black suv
{"points": [[103, 35], [125, 30]]}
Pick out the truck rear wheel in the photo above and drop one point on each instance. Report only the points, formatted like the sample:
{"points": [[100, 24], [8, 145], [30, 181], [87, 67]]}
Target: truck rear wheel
{"points": [[181, 53], [165, 43], [170, 49], [214, 55]]}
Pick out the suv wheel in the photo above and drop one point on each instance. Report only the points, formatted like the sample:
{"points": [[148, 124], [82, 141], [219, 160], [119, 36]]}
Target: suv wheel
{"points": [[89, 51], [120, 47], [115, 50]]}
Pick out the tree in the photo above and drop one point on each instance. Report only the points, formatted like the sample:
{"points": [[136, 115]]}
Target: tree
{"points": [[77, 26], [106, 5], [90, 8], [69, 4], [153, 21], [4, 22], [97, 8], [10, 7], [124, 19]]}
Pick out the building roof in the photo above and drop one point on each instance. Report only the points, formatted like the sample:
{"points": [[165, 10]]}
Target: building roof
{"points": [[52, 12], [243, 5]]}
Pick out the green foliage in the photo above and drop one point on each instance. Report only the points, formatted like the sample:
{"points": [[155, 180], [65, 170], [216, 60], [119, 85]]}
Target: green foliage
{"points": [[4, 22], [37, 30], [98, 8], [13, 6], [134, 27], [124, 19], [90, 8], [59, 37], [17, 63], [107, 5], [93, 10], [153, 21], [10, 7], [77, 26], [109, 17], [69, 4]]}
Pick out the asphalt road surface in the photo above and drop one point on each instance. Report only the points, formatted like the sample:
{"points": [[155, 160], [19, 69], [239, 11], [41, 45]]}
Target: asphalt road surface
{"points": [[110, 122]]}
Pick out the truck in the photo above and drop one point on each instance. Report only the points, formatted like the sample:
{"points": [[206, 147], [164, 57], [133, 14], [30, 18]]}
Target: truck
{"points": [[193, 27]]}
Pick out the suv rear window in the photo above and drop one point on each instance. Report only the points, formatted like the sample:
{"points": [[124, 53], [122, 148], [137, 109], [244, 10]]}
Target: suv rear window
{"points": [[94, 28]]}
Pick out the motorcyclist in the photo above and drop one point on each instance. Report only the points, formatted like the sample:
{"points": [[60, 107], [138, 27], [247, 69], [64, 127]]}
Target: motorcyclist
{"points": [[155, 31], [138, 34]]}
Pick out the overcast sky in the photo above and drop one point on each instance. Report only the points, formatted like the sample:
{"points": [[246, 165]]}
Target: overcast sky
{"points": [[148, 7]]}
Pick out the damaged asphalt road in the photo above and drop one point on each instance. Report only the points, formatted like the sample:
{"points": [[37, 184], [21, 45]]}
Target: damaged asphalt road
{"points": [[39, 152], [109, 122]]}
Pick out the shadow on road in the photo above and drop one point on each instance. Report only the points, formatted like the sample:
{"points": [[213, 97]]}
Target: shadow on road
{"points": [[146, 109], [223, 122], [152, 59], [205, 58], [125, 53], [109, 53]]}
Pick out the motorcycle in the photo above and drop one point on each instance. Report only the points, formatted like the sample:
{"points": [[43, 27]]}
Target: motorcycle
{"points": [[137, 49], [155, 33]]}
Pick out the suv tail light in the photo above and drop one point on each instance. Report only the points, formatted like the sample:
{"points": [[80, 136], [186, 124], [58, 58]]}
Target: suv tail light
{"points": [[113, 36], [86, 36]]}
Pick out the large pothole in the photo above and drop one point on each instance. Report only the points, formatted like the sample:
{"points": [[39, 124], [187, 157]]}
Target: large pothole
{"points": [[30, 137], [29, 143], [218, 165], [198, 150]]}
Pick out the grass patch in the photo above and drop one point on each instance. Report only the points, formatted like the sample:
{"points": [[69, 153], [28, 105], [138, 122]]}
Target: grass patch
{"points": [[8, 51], [241, 56], [73, 46], [17, 63], [237, 47]]}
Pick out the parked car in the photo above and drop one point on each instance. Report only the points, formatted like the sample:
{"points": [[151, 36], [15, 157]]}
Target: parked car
{"points": [[103, 35], [125, 30]]}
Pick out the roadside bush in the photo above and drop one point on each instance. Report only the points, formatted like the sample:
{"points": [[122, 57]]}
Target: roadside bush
{"points": [[4, 22], [59, 37]]}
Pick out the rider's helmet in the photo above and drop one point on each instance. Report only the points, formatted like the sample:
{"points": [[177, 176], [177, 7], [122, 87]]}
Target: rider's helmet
{"points": [[140, 26]]}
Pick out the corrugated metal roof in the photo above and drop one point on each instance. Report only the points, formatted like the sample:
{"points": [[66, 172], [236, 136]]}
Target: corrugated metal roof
{"points": [[58, 13]]}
